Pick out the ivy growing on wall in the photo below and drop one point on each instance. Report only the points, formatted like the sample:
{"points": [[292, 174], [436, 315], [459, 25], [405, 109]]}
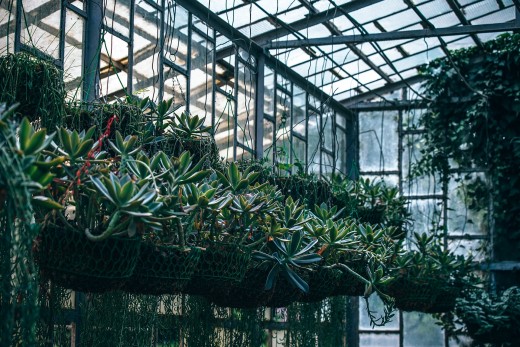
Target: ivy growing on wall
{"points": [[473, 122]]}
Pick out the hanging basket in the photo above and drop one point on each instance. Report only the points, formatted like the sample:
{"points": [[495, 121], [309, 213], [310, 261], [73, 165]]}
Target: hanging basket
{"points": [[71, 260], [250, 292], [322, 284], [163, 269], [220, 265], [445, 300], [371, 215], [414, 294], [348, 284]]}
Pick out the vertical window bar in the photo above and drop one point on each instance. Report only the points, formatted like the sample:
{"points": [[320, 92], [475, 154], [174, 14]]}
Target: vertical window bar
{"points": [[63, 12], [130, 64], [161, 56], [259, 107], [18, 26], [213, 83], [188, 62], [235, 112]]}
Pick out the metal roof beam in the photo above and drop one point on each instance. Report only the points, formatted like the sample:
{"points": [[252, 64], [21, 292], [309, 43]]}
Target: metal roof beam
{"points": [[396, 35], [381, 91], [307, 22], [454, 5]]}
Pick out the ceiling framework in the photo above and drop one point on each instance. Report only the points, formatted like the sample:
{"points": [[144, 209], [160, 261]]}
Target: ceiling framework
{"points": [[352, 49]]}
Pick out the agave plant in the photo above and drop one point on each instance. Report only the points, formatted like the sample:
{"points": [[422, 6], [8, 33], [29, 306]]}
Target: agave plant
{"points": [[187, 126], [235, 181], [286, 256], [127, 204]]}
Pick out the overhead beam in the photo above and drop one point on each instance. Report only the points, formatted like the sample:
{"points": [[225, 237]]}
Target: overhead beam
{"points": [[382, 90], [396, 35], [243, 41], [303, 23], [455, 7]]}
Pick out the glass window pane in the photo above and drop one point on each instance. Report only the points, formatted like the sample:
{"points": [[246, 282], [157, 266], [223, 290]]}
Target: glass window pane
{"points": [[283, 127], [269, 91], [299, 106], [73, 67], [420, 330], [378, 141], [411, 155], [268, 140], [146, 53], [379, 340], [377, 306], [176, 35], [341, 150], [41, 29], [246, 106], [299, 148], [175, 86], [313, 139], [426, 215], [224, 125], [468, 190], [201, 77]]}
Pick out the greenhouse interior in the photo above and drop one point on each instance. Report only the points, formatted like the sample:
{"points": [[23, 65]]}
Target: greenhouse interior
{"points": [[265, 173]]}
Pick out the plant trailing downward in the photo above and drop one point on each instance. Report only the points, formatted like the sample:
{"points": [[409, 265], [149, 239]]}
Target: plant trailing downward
{"points": [[472, 121], [36, 85]]}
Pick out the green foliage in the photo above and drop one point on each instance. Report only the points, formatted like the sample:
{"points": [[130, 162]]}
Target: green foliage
{"points": [[487, 319], [36, 85], [287, 255], [472, 120]]}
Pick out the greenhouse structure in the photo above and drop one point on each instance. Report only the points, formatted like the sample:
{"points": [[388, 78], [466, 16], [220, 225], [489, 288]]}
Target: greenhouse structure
{"points": [[265, 173]]}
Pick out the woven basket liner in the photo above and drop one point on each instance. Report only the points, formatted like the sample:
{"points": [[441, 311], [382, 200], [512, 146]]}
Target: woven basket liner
{"points": [[370, 215], [72, 261], [350, 285], [220, 265], [163, 269], [322, 284], [417, 294], [250, 292], [445, 301], [309, 192]]}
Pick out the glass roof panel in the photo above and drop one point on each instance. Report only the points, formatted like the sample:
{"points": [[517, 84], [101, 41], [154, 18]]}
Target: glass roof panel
{"points": [[399, 20], [434, 8], [369, 13], [502, 16], [480, 9]]}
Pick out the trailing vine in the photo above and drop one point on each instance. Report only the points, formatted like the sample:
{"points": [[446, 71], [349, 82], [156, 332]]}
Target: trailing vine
{"points": [[473, 123]]}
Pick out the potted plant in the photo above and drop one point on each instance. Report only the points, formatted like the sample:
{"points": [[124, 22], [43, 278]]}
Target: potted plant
{"points": [[428, 279], [93, 243], [175, 134], [166, 263]]}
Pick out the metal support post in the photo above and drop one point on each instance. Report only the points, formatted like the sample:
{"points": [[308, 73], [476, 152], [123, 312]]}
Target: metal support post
{"points": [[92, 49], [259, 107]]}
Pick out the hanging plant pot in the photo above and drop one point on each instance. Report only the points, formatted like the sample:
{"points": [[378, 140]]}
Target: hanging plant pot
{"points": [[414, 294], [250, 292], [348, 284], [71, 260], [163, 269], [220, 265], [322, 284], [446, 298], [371, 215]]}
